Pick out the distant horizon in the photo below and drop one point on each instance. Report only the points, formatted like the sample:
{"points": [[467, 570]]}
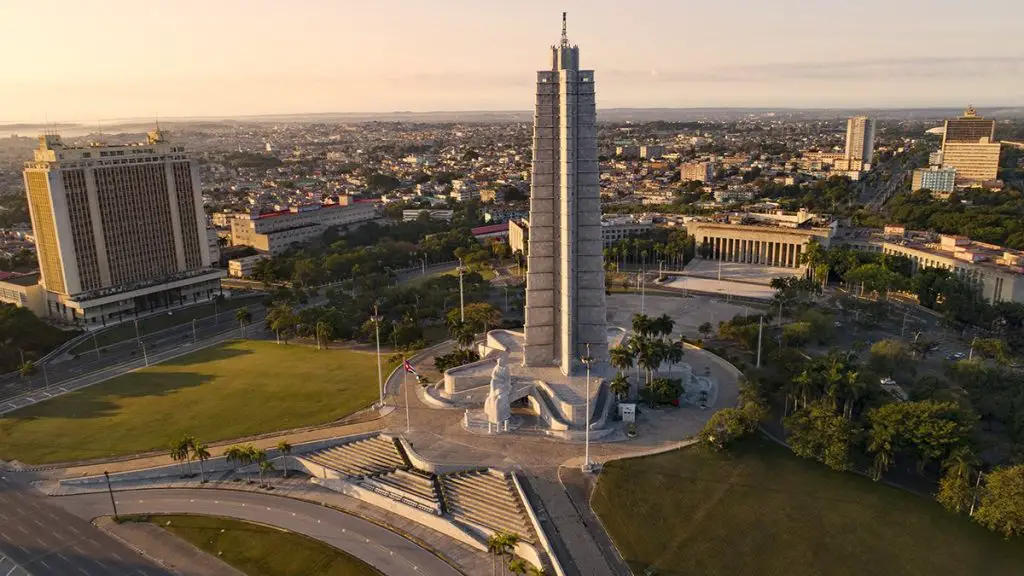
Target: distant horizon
{"points": [[81, 62], [982, 108]]}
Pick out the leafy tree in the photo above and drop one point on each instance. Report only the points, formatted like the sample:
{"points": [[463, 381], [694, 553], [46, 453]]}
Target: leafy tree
{"points": [[1002, 501], [890, 357], [282, 319], [457, 358], [724, 428], [705, 329], [927, 431], [796, 333], [818, 433]]}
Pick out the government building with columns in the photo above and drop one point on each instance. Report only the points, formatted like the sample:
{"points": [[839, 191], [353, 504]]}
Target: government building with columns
{"points": [[776, 239]]}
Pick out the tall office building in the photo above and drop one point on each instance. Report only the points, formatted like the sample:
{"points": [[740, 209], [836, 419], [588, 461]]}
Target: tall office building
{"points": [[969, 146], [119, 229], [565, 304], [860, 141]]}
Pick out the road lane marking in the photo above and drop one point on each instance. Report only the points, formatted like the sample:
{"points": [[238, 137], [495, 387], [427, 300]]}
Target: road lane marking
{"points": [[44, 564], [82, 570], [61, 556]]}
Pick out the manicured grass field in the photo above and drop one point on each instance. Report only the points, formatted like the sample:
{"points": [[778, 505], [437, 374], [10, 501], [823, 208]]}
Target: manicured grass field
{"points": [[224, 314], [239, 388], [260, 550], [759, 510]]}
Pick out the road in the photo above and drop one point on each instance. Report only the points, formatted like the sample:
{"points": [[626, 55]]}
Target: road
{"points": [[46, 540], [384, 550], [53, 374]]}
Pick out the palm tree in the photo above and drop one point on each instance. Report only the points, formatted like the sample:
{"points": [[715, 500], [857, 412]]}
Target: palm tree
{"points": [[259, 456], [324, 332], [284, 448], [495, 547], [27, 368], [536, 571], [663, 325], [201, 453], [244, 317], [176, 454], [642, 324], [674, 352], [242, 456], [508, 542], [517, 566], [266, 466], [281, 319], [619, 386]]}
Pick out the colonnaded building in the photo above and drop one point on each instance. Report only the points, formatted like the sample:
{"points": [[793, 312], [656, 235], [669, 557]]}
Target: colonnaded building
{"points": [[119, 229]]}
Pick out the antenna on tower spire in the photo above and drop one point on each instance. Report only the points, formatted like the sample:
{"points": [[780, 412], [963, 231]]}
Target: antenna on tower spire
{"points": [[565, 36]]}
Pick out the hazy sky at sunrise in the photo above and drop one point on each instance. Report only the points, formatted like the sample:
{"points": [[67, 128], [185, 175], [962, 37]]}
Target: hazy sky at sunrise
{"points": [[66, 60]]}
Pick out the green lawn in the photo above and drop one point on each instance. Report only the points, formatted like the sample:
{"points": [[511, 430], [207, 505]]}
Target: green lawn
{"points": [[162, 321], [759, 510], [260, 550], [235, 389]]}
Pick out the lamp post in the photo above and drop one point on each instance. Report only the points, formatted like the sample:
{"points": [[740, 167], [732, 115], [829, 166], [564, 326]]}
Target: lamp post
{"points": [[145, 356], [423, 259], [137, 337], [95, 345], [380, 375], [110, 490], [193, 331], [462, 298], [970, 355], [587, 360]]}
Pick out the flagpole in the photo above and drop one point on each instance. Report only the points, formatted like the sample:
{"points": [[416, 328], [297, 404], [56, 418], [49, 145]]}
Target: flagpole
{"points": [[405, 384]]}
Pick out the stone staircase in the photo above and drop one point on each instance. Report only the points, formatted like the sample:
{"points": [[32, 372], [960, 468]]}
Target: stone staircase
{"points": [[361, 458], [419, 489], [487, 499]]}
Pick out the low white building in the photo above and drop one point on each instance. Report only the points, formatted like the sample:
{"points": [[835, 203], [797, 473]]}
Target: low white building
{"points": [[275, 232], [243, 267]]}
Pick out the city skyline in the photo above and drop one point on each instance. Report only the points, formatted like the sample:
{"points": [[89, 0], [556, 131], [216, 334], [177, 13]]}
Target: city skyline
{"points": [[223, 60]]}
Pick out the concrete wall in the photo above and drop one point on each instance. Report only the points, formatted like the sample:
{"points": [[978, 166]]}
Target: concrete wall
{"points": [[544, 543]]}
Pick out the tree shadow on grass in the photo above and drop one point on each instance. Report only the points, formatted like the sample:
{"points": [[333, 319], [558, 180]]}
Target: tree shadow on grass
{"points": [[100, 401], [222, 351]]}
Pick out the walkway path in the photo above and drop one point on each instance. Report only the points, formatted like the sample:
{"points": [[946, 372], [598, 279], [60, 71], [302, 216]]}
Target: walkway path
{"points": [[384, 550]]}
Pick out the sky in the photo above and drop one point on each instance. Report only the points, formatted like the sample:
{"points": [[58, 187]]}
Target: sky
{"points": [[75, 61]]}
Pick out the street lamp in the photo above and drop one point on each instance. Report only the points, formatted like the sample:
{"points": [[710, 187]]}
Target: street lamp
{"points": [[970, 355], [587, 360], [462, 298], [137, 337], [110, 490], [380, 375], [145, 356], [193, 331]]}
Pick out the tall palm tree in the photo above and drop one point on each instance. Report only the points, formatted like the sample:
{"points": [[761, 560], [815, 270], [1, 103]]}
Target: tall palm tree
{"points": [[663, 325], [619, 386], [259, 456], [176, 454], [201, 453], [324, 332], [495, 547], [642, 324], [508, 542], [242, 456], [266, 467], [284, 448], [244, 317]]}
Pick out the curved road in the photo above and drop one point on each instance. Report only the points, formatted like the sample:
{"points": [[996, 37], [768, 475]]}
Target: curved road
{"points": [[384, 550]]}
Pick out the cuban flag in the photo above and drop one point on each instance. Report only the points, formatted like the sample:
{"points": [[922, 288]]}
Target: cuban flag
{"points": [[408, 368]]}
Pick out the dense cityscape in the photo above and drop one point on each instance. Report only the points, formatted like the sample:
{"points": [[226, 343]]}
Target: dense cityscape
{"points": [[570, 341]]}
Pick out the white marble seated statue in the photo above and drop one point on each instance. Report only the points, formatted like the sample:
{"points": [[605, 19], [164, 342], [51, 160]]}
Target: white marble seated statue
{"points": [[497, 404]]}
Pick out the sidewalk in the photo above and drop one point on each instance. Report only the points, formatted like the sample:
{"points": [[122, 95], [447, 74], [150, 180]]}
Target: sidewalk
{"points": [[166, 549]]}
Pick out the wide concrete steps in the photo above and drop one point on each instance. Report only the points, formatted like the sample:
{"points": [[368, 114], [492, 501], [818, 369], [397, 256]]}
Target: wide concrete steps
{"points": [[486, 499], [413, 487], [360, 458]]}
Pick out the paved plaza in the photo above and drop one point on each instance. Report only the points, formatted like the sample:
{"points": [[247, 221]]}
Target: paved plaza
{"points": [[754, 273]]}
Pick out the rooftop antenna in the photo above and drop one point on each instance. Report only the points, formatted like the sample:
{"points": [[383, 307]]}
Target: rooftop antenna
{"points": [[565, 36]]}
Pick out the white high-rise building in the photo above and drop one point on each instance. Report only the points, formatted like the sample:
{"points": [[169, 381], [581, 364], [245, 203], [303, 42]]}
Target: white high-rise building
{"points": [[120, 230], [565, 300], [860, 140]]}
